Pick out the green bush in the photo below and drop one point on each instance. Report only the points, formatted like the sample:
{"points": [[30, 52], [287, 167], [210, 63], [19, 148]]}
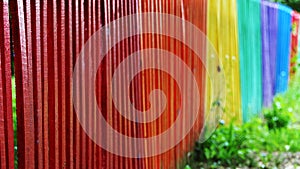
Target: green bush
{"points": [[226, 147], [295, 4], [277, 117], [246, 145], [287, 1], [253, 144]]}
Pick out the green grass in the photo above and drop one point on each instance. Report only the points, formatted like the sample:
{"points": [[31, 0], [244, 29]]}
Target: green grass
{"points": [[253, 142]]}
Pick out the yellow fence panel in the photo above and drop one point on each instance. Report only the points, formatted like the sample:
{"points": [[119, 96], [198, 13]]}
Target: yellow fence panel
{"points": [[222, 33]]}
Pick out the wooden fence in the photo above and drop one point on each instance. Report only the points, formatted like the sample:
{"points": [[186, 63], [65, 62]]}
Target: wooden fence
{"points": [[45, 39]]}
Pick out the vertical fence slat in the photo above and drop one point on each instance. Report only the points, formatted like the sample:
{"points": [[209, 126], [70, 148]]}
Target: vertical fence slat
{"points": [[87, 34], [61, 45], [83, 139], [52, 84], [100, 154], [3, 153], [76, 50], [108, 163], [44, 72], [94, 28], [37, 81], [68, 87], [6, 131]]}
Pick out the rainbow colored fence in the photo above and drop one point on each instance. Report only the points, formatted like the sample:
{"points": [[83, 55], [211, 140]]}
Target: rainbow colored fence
{"points": [[256, 41], [267, 48]]}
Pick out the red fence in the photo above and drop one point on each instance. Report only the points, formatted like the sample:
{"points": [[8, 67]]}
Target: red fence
{"points": [[47, 37]]}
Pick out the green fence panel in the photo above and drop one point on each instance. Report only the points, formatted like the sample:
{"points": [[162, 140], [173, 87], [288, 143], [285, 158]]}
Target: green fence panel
{"points": [[249, 30]]}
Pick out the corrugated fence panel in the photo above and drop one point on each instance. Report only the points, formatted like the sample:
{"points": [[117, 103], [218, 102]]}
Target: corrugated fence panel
{"points": [[269, 26], [6, 122], [283, 48], [222, 33], [250, 57]]}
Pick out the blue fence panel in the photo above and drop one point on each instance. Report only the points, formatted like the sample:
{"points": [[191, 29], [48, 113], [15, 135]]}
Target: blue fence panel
{"points": [[283, 48]]}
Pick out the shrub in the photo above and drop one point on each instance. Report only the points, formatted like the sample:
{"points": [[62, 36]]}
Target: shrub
{"points": [[278, 117], [226, 147], [251, 144]]}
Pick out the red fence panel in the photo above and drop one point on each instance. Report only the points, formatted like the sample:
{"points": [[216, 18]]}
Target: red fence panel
{"points": [[294, 42], [48, 37]]}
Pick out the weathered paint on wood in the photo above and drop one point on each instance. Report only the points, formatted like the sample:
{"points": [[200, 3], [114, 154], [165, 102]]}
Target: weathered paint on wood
{"points": [[6, 123]]}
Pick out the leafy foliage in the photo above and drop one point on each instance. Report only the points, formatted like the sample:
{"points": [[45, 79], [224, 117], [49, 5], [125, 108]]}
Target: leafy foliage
{"points": [[253, 144], [226, 147], [245, 145], [295, 4], [286, 1], [277, 117], [14, 108]]}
